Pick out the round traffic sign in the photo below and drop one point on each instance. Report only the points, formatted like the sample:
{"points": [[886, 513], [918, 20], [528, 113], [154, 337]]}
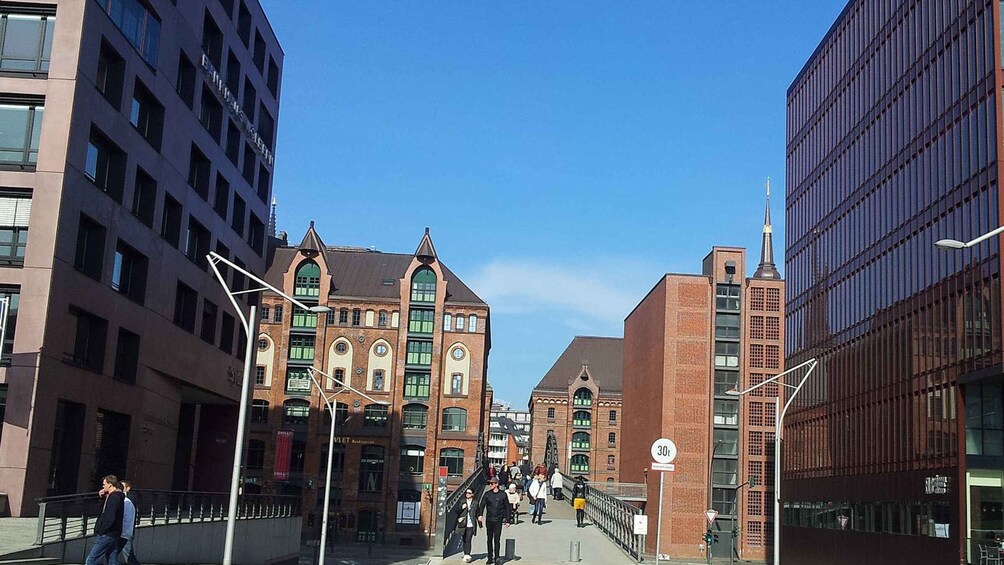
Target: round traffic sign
{"points": [[663, 450]]}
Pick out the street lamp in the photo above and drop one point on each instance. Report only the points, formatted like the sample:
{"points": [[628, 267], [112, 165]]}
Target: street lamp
{"points": [[956, 244], [248, 322], [780, 412], [331, 442]]}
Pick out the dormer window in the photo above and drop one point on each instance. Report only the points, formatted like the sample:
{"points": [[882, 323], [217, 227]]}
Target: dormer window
{"points": [[423, 286], [308, 280]]}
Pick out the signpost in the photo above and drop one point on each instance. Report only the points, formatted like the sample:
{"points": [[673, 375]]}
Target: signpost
{"points": [[663, 454], [640, 524], [712, 515]]}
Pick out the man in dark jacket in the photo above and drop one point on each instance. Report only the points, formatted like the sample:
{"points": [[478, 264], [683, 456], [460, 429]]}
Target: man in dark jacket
{"points": [[108, 528], [494, 514]]}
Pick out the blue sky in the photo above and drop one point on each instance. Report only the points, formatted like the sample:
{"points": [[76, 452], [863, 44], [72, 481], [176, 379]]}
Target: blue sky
{"points": [[564, 154]]}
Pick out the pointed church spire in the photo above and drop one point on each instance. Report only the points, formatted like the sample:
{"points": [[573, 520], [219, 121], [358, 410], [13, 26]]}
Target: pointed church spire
{"points": [[271, 218], [767, 269]]}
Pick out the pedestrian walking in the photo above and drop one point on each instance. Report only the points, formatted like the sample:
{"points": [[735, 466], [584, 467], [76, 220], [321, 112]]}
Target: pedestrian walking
{"points": [[468, 520], [557, 482], [108, 527], [515, 476], [504, 476], [493, 514], [126, 545], [514, 499], [538, 494], [579, 502], [525, 472]]}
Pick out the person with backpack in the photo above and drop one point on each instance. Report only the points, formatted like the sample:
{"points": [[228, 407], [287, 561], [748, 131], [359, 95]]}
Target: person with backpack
{"points": [[538, 496]]}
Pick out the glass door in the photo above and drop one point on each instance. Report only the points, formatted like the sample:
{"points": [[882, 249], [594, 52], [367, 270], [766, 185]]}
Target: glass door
{"points": [[985, 502]]}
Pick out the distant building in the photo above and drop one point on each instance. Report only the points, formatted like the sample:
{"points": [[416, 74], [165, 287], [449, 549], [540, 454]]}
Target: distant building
{"points": [[403, 329], [510, 435], [575, 410]]}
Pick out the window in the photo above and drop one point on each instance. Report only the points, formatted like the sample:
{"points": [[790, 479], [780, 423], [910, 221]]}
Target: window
{"points": [[147, 115], [724, 500], [723, 472], [13, 296], [550, 414], [233, 149], [416, 385], [197, 243], [453, 460], [447, 322], [211, 114], [256, 454], [27, 42], [248, 104], [129, 272], [423, 286], [259, 375], [212, 40], [110, 77], [304, 318], [126, 356], [611, 462], [198, 172], [273, 77], [247, 171], [263, 182], [256, 234], [460, 323], [726, 354], [580, 440], [611, 439], [580, 463], [221, 200], [378, 376], [105, 165], [308, 280], [89, 342], [329, 318], [240, 210], [414, 417], [139, 25], [727, 441], [237, 284], [259, 52], [583, 397], [339, 379], [984, 420], [613, 417], [170, 222], [227, 333], [208, 330], [297, 380], [727, 326], [371, 463], [296, 412], [266, 126], [186, 80], [341, 347], [382, 319], [726, 381], [726, 413], [184, 306], [356, 316], [582, 418], [144, 197], [301, 348], [419, 353], [472, 325], [90, 248], [457, 383], [375, 416], [454, 420], [343, 316], [15, 211], [341, 413], [412, 460], [420, 321], [727, 296]]}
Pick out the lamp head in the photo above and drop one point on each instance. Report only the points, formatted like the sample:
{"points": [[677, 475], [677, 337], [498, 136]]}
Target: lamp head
{"points": [[950, 244], [319, 309], [732, 392]]}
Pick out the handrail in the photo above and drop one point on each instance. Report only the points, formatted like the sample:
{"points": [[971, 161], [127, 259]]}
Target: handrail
{"points": [[613, 517], [71, 516], [446, 525]]}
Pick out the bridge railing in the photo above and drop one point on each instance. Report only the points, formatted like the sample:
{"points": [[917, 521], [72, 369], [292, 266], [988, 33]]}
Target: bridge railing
{"points": [[636, 491], [72, 516], [613, 517], [446, 521]]}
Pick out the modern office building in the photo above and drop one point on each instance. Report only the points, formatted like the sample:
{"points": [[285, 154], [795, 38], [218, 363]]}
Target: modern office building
{"points": [[408, 333], [509, 440], [692, 339], [575, 410], [894, 142], [137, 136]]}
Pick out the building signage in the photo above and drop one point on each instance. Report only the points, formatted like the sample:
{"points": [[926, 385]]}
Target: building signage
{"points": [[283, 451], [297, 384], [640, 525], [936, 485], [230, 100]]}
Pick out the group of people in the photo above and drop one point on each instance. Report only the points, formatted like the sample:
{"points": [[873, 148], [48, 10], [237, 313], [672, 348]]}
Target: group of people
{"points": [[115, 525], [499, 506]]}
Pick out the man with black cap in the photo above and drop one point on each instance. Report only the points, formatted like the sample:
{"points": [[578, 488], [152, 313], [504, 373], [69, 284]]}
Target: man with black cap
{"points": [[494, 514]]}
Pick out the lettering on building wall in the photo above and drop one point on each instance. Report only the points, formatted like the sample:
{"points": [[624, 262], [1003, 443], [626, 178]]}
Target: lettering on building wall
{"points": [[223, 91], [936, 485]]}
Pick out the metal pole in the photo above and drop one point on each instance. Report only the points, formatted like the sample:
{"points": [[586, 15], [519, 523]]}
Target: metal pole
{"points": [[228, 547], [777, 479], [327, 484], [658, 531]]}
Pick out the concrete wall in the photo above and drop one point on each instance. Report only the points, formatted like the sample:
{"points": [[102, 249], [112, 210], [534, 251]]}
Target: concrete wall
{"points": [[256, 542]]}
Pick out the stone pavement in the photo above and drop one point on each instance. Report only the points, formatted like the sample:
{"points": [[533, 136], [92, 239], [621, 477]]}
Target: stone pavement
{"points": [[17, 534]]}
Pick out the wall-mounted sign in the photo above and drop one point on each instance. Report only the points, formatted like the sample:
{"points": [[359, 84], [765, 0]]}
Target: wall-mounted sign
{"points": [[936, 485], [230, 100]]}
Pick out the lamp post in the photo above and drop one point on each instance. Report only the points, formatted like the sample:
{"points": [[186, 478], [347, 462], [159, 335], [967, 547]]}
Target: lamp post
{"points": [[780, 412], [248, 323], [327, 399], [956, 244]]}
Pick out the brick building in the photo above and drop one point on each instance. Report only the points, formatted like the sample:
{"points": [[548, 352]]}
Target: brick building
{"points": [[685, 345], [403, 329], [575, 410]]}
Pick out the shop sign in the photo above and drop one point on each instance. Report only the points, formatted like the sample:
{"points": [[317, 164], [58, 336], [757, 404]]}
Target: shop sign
{"points": [[936, 485]]}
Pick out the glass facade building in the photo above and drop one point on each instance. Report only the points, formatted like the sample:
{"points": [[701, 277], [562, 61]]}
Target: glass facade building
{"points": [[894, 448]]}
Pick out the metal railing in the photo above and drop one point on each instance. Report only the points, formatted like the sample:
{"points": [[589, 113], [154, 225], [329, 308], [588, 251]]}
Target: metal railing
{"points": [[446, 522], [70, 516], [613, 517], [633, 491]]}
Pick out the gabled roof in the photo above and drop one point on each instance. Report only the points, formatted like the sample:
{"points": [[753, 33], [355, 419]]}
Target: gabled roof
{"points": [[426, 249], [602, 357]]}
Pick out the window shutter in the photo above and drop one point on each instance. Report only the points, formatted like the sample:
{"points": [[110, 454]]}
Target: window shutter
{"points": [[14, 211]]}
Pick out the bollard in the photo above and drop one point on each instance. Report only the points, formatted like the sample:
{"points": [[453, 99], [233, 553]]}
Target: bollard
{"points": [[573, 552], [510, 549]]}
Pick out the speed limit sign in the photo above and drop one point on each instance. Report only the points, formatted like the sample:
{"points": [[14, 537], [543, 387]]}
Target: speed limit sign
{"points": [[663, 451]]}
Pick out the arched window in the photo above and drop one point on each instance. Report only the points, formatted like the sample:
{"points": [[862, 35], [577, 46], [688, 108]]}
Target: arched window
{"points": [[414, 417], [423, 286], [453, 460], [582, 418], [259, 411], [296, 412], [454, 420], [371, 469], [308, 280], [375, 416], [580, 440], [580, 463], [583, 397], [412, 460]]}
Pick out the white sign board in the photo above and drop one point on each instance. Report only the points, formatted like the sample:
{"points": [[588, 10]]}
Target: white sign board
{"points": [[711, 515], [640, 525], [843, 522], [663, 450], [663, 466]]}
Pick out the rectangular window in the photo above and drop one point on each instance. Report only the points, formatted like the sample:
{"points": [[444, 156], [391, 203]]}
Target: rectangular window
{"points": [[248, 168], [447, 322], [126, 356], [421, 321], [147, 115], [454, 420], [419, 353], [277, 316], [329, 318], [414, 417], [197, 243], [343, 316], [726, 354], [105, 165], [222, 197], [304, 318], [375, 416], [211, 114], [378, 376], [110, 77], [12, 294], [727, 296], [460, 323], [412, 462], [266, 125], [250, 99], [726, 413], [273, 77], [457, 383], [27, 42], [170, 221], [724, 501], [238, 219], [416, 385], [356, 316], [233, 73], [15, 211], [144, 197], [199, 170], [212, 40], [382, 319], [259, 375], [726, 381], [89, 341], [186, 80], [208, 330], [728, 440], [244, 24], [256, 454], [259, 52], [301, 348], [727, 326], [137, 23], [129, 272], [185, 304], [256, 234], [233, 149], [227, 324], [90, 253]]}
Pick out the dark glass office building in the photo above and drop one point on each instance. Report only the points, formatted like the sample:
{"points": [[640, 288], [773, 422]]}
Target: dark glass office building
{"points": [[893, 452]]}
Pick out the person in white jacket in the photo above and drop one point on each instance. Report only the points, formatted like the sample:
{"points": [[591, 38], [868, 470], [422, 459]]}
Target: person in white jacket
{"points": [[538, 495], [556, 484]]}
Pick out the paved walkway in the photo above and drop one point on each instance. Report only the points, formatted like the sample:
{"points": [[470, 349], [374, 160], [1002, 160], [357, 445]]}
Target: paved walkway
{"points": [[17, 534]]}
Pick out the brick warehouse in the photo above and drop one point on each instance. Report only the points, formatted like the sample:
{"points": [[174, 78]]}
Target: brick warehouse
{"points": [[685, 345], [575, 410], [430, 367]]}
